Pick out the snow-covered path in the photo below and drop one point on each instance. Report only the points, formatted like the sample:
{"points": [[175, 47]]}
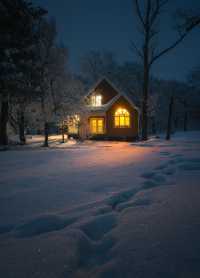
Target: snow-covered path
{"points": [[101, 209]]}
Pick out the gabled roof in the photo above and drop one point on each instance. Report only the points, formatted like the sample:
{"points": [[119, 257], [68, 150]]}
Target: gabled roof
{"points": [[119, 94]]}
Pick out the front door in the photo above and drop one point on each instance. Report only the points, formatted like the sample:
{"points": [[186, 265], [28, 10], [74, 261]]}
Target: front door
{"points": [[96, 125]]}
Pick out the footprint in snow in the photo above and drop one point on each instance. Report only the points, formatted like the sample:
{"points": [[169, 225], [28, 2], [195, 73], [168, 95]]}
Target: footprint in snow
{"points": [[153, 176], [177, 156], [148, 175], [162, 166], [98, 227], [190, 166], [88, 253], [103, 210], [165, 153], [153, 179], [169, 171]]}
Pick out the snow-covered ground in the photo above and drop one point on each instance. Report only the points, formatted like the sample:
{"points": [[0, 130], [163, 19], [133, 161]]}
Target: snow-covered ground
{"points": [[102, 210], [36, 141]]}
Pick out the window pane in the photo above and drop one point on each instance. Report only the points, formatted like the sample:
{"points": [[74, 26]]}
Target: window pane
{"points": [[122, 122], [93, 126], [100, 123], [98, 100], [100, 126]]}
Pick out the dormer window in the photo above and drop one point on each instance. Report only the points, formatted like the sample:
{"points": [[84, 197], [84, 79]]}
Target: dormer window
{"points": [[96, 100]]}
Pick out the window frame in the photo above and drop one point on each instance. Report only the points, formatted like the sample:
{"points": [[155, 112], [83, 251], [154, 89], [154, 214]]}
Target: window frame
{"points": [[100, 129], [123, 119]]}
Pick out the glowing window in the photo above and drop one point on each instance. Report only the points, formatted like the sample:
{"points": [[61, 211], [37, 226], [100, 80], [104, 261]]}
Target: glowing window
{"points": [[97, 125], [96, 100], [122, 118]]}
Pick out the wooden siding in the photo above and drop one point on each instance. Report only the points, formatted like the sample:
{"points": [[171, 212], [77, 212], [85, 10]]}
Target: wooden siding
{"points": [[106, 90], [122, 133]]}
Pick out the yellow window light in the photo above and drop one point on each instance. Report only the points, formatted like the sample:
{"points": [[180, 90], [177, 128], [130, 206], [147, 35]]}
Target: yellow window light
{"points": [[122, 118]]}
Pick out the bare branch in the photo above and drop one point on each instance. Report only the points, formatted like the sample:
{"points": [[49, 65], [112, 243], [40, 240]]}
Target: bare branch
{"points": [[148, 13], [158, 6], [188, 29], [136, 49], [138, 11]]}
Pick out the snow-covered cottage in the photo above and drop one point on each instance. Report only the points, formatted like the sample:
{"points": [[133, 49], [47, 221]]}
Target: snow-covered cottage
{"points": [[109, 114]]}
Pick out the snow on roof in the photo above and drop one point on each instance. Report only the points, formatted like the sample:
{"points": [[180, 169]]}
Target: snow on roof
{"points": [[119, 94]]}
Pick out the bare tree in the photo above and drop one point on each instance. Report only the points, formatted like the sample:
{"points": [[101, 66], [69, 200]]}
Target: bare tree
{"points": [[95, 64], [149, 13], [51, 66]]}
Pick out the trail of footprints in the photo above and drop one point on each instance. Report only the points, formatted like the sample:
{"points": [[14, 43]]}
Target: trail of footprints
{"points": [[98, 231], [94, 239]]}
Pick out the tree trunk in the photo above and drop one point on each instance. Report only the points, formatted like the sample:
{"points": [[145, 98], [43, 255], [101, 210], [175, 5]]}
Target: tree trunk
{"points": [[63, 137], [146, 69], [185, 121], [169, 122], [4, 121], [176, 122], [63, 133], [46, 124], [185, 128], [145, 100], [154, 126], [46, 134], [22, 137]]}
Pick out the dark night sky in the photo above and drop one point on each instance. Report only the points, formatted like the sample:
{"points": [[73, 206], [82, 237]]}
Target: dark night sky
{"points": [[85, 25]]}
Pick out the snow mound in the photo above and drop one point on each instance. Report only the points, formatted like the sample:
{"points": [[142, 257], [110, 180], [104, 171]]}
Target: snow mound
{"points": [[137, 203], [153, 179], [6, 229], [121, 197], [43, 224], [165, 153], [150, 184], [190, 165], [103, 210], [148, 175]]}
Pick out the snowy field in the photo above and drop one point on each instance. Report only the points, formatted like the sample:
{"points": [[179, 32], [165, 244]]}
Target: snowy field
{"points": [[36, 141], [101, 210]]}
